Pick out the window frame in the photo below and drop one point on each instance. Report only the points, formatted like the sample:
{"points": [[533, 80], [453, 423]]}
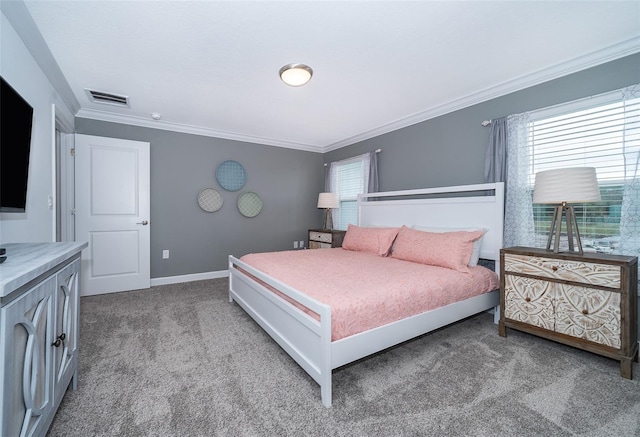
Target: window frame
{"points": [[609, 184], [339, 221]]}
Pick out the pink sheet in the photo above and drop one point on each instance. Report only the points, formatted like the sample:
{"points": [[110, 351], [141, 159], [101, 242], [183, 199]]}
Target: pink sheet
{"points": [[365, 290]]}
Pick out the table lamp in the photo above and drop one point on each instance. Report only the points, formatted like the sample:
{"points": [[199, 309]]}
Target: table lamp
{"points": [[328, 201], [562, 187]]}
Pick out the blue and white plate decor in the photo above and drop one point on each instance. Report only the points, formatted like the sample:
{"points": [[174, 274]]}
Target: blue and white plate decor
{"points": [[249, 204], [210, 199], [231, 175]]}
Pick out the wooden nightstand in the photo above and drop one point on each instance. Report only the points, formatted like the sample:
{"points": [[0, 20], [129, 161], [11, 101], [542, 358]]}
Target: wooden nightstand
{"points": [[586, 301], [320, 239]]}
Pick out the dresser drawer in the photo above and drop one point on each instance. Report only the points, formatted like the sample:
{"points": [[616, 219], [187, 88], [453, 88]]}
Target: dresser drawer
{"points": [[324, 237], [529, 300], [587, 313], [318, 245], [581, 312], [576, 271]]}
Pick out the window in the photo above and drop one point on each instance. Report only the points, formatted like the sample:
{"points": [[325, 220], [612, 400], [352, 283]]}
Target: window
{"points": [[590, 133], [348, 178]]}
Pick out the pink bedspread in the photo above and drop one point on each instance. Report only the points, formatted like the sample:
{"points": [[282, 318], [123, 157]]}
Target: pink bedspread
{"points": [[364, 290]]}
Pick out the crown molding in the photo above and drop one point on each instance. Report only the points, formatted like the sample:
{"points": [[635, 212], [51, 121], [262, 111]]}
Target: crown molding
{"points": [[194, 130], [574, 65], [19, 17]]}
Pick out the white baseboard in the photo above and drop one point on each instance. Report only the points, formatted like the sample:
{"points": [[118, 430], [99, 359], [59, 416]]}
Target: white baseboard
{"points": [[189, 278]]}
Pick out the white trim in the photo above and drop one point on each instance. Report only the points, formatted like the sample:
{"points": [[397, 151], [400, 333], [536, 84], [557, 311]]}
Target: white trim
{"points": [[575, 65], [166, 280], [18, 15], [53, 196], [589, 102], [195, 130]]}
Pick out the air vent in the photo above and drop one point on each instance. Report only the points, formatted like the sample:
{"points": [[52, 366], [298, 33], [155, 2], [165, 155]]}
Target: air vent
{"points": [[107, 98]]}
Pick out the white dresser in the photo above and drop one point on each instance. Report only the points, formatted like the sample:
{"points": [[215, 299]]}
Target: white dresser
{"points": [[39, 311]]}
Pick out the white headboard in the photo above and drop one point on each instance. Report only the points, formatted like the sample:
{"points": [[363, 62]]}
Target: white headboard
{"points": [[479, 206]]}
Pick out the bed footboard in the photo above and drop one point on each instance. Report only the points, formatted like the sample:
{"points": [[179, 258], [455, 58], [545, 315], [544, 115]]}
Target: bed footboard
{"points": [[305, 339]]}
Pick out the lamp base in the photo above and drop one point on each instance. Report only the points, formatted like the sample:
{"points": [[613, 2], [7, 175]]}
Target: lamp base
{"points": [[327, 222], [572, 227]]}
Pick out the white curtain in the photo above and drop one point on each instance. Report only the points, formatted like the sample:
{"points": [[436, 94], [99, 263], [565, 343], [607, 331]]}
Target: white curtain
{"points": [[630, 211], [518, 217]]}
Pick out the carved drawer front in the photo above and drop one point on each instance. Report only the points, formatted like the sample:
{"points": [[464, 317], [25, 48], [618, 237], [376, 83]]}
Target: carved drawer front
{"points": [[529, 300], [575, 271], [325, 237], [588, 313], [318, 245]]}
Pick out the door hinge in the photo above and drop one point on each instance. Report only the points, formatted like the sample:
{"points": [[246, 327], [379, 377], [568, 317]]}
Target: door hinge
{"points": [[72, 151], [73, 211]]}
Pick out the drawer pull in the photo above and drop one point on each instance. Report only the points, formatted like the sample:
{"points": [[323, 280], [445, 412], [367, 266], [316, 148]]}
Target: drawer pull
{"points": [[527, 299], [585, 312], [59, 340]]}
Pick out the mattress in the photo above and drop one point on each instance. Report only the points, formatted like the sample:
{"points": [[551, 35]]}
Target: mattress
{"points": [[365, 290]]}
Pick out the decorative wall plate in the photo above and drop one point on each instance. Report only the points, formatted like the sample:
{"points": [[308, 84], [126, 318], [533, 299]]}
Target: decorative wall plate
{"points": [[249, 204], [210, 199], [231, 175]]}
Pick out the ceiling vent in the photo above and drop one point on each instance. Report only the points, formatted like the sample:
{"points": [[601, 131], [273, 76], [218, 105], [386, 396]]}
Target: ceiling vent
{"points": [[107, 98]]}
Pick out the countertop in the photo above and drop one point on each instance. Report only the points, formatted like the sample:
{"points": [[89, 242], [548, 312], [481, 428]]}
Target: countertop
{"points": [[27, 261]]}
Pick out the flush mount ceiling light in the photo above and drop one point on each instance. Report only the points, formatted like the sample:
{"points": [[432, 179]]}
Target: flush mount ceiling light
{"points": [[296, 74]]}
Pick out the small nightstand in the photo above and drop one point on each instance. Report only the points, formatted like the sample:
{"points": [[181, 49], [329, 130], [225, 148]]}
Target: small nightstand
{"points": [[322, 238], [586, 301]]}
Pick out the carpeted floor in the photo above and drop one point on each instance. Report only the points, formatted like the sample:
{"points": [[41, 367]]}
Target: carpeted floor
{"points": [[180, 360]]}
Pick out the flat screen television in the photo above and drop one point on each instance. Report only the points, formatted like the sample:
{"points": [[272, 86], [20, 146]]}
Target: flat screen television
{"points": [[16, 116]]}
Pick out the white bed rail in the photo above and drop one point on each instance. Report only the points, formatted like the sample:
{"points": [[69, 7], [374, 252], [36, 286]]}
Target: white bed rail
{"points": [[305, 339], [308, 340]]}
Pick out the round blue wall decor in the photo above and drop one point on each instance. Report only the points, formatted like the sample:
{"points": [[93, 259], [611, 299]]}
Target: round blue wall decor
{"points": [[231, 175]]}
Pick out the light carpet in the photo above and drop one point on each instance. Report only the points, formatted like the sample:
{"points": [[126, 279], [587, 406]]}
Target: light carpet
{"points": [[180, 360]]}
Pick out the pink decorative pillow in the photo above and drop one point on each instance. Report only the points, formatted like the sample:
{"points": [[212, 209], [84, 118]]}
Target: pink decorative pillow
{"points": [[372, 240], [443, 249]]}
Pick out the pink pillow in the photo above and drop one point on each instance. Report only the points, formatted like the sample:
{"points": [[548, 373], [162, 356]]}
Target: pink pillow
{"points": [[443, 249], [372, 240]]}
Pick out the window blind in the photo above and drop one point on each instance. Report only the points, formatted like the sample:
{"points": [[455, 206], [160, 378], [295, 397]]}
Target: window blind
{"points": [[591, 136], [349, 178]]}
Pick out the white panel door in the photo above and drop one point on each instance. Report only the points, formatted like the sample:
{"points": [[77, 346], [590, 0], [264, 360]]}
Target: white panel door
{"points": [[112, 213]]}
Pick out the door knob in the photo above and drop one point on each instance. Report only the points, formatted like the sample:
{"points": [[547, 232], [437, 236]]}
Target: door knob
{"points": [[143, 223]]}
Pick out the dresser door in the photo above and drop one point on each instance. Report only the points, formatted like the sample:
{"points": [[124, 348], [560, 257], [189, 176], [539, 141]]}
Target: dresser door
{"points": [[66, 328], [26, 350]]}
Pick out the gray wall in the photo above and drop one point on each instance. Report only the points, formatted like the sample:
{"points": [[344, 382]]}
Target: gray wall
{"points": [[288, 181], [450, 149], [447, 150]]}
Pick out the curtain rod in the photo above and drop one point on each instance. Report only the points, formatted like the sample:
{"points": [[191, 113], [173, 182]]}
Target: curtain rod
{"points": [[486, 123], [377, 151]]}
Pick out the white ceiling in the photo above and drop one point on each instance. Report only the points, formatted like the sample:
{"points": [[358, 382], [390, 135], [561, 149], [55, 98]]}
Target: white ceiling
{"points": [[211, 67]]}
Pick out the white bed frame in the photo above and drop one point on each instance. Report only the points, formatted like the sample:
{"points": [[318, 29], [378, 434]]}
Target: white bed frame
{"points": [[308, 341]]}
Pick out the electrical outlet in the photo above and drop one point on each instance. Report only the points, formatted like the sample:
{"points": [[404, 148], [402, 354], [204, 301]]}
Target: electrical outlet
{"points": [[301, 244], [295, 244], [165, 254]]}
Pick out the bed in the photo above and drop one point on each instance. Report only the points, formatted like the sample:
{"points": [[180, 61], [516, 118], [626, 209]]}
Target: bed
{"points": [[302, 324]]}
